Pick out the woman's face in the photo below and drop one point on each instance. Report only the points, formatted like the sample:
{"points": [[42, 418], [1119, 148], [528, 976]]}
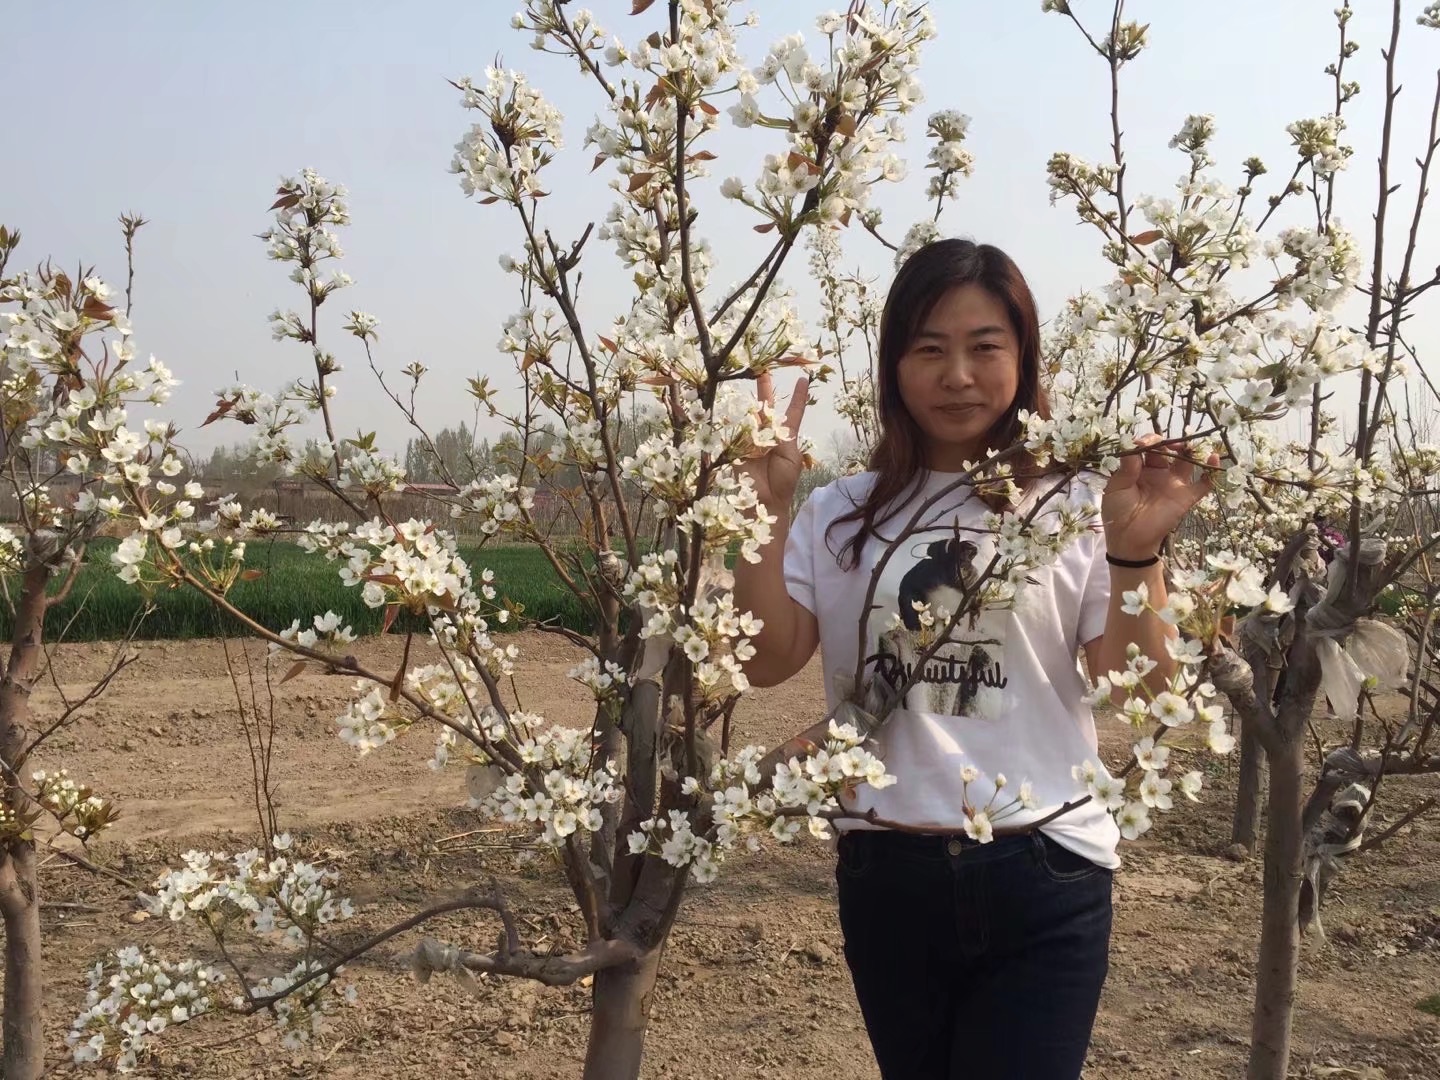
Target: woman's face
{"points": [[960, 374]]}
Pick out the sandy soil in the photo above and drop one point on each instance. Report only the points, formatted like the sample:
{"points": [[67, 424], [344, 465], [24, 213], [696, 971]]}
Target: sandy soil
{"points": [[752, 985]]}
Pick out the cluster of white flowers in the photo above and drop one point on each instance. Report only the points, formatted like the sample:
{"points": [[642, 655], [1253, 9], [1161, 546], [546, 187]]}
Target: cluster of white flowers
{"points": [[76, 807], [850, 307], [654, 587], [1194, 138], [734, 428], [304, 1013], [916, 237], [412, 565], [714, 636], [1030, 538], [76, 410], [371, 721], [1200, 602], [843, 118], [501, 159], [604, 679], [12, 551], [1234, 362], [126, 1009], [717, 640], [581, 445], [855, 402], [1187, 700], [305, 209], [373, 472], [817, 782], [272, 416], [680, 848], [327, 631], [278, 895], [497, 502], [948, 157], [738, 807], [980, 821], [1318, 143], [562, 789]]}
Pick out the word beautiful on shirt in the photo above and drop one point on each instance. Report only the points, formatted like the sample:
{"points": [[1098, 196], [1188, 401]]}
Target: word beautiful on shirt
{"points": [[968, 672]]}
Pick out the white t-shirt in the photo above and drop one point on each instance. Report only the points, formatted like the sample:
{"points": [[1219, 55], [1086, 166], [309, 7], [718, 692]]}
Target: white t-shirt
{"points": [[1003, 695]]}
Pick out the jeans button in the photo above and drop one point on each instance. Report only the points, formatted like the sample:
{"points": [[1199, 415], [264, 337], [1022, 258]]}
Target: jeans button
{"points": [[954, 847]]}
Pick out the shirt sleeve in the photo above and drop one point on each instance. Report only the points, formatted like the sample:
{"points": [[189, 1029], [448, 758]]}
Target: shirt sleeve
{"points": [[1095, 600], [800, 556]]}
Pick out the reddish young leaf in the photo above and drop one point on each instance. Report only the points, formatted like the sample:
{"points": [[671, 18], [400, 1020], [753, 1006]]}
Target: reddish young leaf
{"points": [[251, 575], [640, 179], [97, 309], [285, 202], [1147, 237], [295, 669], [639, 6]]}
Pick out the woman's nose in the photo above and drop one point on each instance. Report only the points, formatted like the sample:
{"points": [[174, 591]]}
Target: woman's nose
{"points": [[957, 372]]}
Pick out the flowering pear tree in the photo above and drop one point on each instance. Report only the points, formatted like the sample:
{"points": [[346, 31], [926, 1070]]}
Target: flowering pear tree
{"points": [[1267, 622], [71, 459], [647, 794]]}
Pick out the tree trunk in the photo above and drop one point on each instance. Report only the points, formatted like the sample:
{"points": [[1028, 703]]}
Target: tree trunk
{"points": [[1250, 786], [1279, 927], [24, 1042], [620, 1017]]}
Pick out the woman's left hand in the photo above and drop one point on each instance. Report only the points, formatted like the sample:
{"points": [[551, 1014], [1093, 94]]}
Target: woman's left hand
{"points": [[1146, 498]]}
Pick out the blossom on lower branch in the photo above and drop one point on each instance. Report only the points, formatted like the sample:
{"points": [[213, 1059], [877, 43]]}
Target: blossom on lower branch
{"points": [[737, 811], [145, 997], [1201, 605], [272, 897]]}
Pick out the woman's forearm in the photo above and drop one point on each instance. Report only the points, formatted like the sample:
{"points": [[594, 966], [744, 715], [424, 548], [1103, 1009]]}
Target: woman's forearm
{"points": [[785, 642], [1147, 631]]}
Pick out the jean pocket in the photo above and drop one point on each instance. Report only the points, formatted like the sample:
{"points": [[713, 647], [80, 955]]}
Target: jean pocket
{"points": [[1060, 864], [854, 855]]}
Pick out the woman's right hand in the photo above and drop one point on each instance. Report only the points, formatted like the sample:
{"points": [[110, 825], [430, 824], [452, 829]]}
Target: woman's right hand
{"points": [[776, 472]]}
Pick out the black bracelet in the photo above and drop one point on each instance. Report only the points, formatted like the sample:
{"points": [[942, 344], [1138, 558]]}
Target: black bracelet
{"points": [[1132, 564]]}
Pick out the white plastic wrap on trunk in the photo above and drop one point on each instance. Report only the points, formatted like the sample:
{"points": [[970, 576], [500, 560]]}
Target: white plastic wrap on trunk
{"points": [[1373, 651]]}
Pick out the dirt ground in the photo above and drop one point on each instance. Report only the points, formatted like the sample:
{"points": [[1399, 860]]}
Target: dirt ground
{"points": [[752, 985]]}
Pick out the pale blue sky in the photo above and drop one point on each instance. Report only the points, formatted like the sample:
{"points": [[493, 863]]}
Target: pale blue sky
{"points": [[189, 112]]}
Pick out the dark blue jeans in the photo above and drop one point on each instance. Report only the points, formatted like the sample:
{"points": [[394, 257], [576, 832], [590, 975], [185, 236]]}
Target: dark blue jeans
{"points": [[970, 961]]}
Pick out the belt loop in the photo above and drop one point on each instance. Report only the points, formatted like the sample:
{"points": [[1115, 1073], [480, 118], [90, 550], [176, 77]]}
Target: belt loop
{"points": [[1037, 843]]}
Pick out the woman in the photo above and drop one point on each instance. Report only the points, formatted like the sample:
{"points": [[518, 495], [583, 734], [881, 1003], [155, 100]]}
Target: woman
{"points": [[969, 960]]}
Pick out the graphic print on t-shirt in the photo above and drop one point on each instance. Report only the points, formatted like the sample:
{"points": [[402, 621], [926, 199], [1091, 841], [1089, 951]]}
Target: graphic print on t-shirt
{"points": [[964, 676]]}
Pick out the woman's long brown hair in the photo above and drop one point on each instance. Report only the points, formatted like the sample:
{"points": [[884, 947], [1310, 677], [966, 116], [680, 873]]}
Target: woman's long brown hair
{"points": [[898, 459]]}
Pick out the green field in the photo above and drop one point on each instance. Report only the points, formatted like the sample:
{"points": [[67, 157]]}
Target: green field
{"points": [[293, 585]]}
